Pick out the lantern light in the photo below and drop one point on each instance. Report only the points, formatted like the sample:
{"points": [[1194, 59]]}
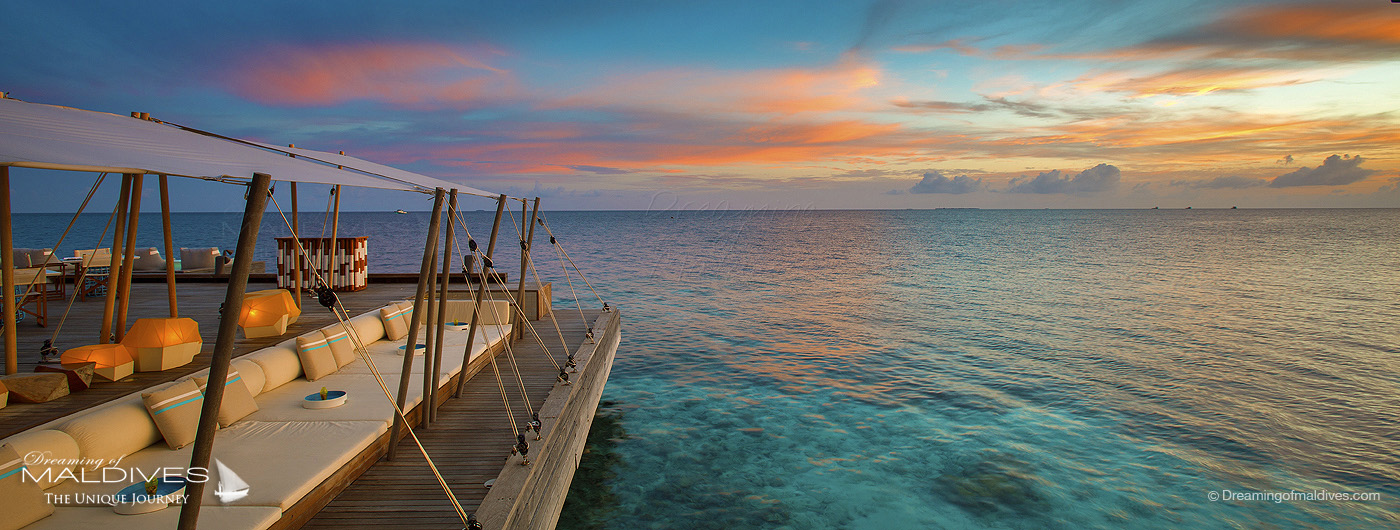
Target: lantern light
{"points": [[268, 313], [113, 361], [163, 343]]}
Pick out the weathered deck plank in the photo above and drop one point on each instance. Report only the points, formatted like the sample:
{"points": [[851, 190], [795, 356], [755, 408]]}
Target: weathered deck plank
{"points": [[469, 443]]}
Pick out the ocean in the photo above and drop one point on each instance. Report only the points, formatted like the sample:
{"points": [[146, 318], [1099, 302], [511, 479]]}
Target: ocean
{"points": [[964, 368]]}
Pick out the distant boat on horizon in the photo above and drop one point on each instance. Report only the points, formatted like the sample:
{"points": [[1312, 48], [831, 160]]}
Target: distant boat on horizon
{"points": [[399, 211]]}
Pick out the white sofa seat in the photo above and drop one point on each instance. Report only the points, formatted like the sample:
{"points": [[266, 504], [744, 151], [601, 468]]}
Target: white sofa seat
{"points": [[365, 401], [210, 518], [280, 461]]}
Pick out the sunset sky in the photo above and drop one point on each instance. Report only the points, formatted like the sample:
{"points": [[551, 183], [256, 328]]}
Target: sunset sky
{"points": [[646, 104]]}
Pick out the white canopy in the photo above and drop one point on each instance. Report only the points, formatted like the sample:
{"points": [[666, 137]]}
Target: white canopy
{"points": [[52, 137], [373, 168]]}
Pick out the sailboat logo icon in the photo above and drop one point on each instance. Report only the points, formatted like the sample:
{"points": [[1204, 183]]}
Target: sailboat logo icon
{"points": [[231, 488]]}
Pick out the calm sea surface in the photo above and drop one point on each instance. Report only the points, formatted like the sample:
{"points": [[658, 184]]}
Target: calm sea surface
{"points": [[966, 368]]}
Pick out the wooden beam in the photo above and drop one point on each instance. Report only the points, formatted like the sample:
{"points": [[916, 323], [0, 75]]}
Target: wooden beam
{"points": [[423, 272], [129, 258], [296, 254], [169, 247], [525, 245], [430, 330], [335, 232], [486, 272], [223, 344], [7, 270], [431, 412], [114, 261]]}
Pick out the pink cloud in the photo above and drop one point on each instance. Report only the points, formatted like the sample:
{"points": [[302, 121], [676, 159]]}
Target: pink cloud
{"points": [[410, 74]]}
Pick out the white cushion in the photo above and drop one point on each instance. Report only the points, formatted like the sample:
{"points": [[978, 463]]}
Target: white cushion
{"points": [[252, 375], [280, 364], [105, 435], [56, 452]]}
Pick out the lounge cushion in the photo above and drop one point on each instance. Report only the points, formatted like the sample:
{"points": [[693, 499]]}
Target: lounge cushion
{"points": [[280, 461], [237, 401], [198, 258], [176, 412], [342, 348], [24, 500], [279, 363], [315, 355], [112, 432], [365, 400], [252, 375], [369, 327], [395, 323], [148, 259], [48, 453]]}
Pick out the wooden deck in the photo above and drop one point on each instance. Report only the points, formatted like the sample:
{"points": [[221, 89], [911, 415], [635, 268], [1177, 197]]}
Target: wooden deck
{"points": [[199, 301], [469, 443]]}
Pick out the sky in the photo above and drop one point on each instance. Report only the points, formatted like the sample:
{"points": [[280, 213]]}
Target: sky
{"points": [[646, 104]]}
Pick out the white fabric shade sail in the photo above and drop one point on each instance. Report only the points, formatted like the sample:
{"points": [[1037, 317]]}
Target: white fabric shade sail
{"points": [[52, 137]]}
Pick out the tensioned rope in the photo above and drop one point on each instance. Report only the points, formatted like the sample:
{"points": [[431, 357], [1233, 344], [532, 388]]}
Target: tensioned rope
{"points": [[511, 298], [47, 349], [555, 242], [510, 353], [343, 318]]}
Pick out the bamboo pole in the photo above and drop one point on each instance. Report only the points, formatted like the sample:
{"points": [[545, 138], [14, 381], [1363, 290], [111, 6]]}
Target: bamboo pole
{"points": [[481, 290], [223, 344], [129, 258], [428, 254], [7, 271], [525, 245], [442, 303], [169, 247], [335, 231], [429, 329], [114, 264], [296, 253]]}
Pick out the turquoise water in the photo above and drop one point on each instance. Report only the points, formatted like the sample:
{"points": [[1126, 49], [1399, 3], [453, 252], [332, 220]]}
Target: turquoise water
{"points": [[973, 369]]}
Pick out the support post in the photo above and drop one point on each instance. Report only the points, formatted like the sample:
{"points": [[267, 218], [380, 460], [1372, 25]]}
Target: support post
{"points": [[428, 254], [481, 290], [442, 304], [129, 258], [169, 247], [223, 344], [429, 329], [7, 270], [296, 252], [335, 232], [114, 264], [525, 245]]}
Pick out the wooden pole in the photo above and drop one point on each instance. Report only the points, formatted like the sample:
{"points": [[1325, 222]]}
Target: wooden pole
{"points": [[223, 344], [525, 245], [114, 261], [417, 319], [335, 231], [430, 329], [486, 273], [129, 259], [169, 247], [442, 303], [7, 270], [296, 252]]}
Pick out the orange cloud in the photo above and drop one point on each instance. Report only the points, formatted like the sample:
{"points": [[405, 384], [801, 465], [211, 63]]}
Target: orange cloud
{"points": [[401, 73], [1194, 82], [783, 91], [1374, 24]]}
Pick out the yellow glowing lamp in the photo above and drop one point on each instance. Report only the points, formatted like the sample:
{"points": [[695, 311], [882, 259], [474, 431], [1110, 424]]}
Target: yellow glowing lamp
{"points": [[113, 361], [163, 343], [268, 313]]}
